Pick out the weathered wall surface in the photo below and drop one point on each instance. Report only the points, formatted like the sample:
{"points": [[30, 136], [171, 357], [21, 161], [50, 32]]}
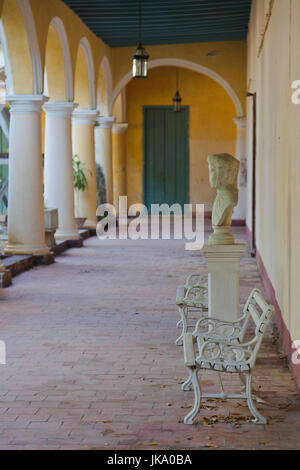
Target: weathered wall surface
{"points": [[273, 64], [211, 126]]}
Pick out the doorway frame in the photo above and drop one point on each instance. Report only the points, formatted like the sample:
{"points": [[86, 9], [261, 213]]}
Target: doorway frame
{"points": [[144, 170]]}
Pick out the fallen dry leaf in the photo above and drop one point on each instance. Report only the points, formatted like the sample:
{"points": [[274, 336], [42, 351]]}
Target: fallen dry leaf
{"points": [[153, 444], [107, 421], [107, 431]]}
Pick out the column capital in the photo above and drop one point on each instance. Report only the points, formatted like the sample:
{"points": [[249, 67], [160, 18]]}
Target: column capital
{"points": [[85, 116], [119, 128], [26, 103], [60, 109], [240, 121], [105, 122]]}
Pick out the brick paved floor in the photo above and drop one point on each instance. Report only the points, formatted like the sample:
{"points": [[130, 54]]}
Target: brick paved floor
{"points": [[91, 360]]}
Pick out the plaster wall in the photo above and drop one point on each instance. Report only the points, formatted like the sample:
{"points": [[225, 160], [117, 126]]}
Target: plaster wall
{"points": [[211, 126], [272, 67]]}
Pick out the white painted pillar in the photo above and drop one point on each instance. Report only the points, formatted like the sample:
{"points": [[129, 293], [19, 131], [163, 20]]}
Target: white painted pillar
{"points": [[103, 148], [239, 212], [83, 137], [26, 234], [58, 170], [119, 160]]}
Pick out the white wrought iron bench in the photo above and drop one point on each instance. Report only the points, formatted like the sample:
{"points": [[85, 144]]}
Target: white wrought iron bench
{"points": [[192, 297], [222, 349]]}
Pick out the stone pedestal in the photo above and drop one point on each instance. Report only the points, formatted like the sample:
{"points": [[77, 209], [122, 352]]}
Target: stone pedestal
{"points": [[223, 280]]}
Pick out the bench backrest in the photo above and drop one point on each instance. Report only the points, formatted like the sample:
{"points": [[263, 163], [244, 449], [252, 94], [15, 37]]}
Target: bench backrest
{"points": [[261, 313]]}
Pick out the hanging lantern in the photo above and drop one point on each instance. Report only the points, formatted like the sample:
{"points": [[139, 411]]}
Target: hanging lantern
{"points": [[140, 57], [177, 98], [140, 62], [177, 102]]}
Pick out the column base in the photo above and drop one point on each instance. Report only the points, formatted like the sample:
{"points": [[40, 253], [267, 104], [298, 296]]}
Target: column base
{"points": [[221, 236], [67, 235], [90, 224], [26, 250]]}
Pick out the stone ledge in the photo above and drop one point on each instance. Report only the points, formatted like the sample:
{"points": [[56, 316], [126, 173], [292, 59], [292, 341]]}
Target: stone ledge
{"points": [[5, 278], [17, 264]]}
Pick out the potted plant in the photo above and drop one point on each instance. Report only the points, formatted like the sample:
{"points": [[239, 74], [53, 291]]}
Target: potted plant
{"points": [[80, 184]]}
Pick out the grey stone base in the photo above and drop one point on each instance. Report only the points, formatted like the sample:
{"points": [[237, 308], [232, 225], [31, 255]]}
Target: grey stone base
{"points": [[5, 278]]}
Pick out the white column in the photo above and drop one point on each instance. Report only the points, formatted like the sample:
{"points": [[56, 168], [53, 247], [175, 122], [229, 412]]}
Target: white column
{"points": [[83, 137], [58, 170], [119, 160], [239, 212], [26, 234], [103, 148]]}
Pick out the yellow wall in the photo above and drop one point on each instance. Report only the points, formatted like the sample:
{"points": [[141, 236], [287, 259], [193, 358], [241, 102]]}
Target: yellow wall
{"points": [[278, 148], [211, 127], [18, 46], [55, 67], [230, 60], [43, 12]]}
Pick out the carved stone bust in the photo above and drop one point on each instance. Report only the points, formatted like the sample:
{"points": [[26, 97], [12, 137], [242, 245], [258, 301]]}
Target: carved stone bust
{"points": [[223, 174]]}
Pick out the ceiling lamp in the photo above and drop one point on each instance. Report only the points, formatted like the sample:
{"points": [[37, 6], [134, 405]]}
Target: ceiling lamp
{"points": [[177, 98], [140, 57]]}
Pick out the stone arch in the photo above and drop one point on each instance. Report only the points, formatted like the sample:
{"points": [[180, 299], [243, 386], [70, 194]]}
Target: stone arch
{"points": [[21, 48], [58, 62], [84, 84], [104, 86], [188, 65]]}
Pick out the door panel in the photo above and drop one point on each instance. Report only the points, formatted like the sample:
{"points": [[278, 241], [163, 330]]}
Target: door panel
{"points": [[166, 156]]}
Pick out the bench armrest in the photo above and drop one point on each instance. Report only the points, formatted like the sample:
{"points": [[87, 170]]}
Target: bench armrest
{"points": [[189, 352], [196, 294], [196, 280], [219, 328]]}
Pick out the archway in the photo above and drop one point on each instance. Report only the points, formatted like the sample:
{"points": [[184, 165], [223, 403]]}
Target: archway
{"points": [[188, 65], [58, 63], [58, 172], [84, 85], [83, 132], [104, 87]]}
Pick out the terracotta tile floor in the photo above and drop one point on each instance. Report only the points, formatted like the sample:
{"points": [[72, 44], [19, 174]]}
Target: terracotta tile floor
{"points": [[91, 360]]}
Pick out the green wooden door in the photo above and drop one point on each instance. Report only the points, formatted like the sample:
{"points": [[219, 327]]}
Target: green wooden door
{"points": [[165, 156]]}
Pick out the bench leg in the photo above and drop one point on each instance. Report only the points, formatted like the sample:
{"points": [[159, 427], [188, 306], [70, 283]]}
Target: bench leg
{"points": [[189, 418], [183, 320], [186, 386], [259, 419]]}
